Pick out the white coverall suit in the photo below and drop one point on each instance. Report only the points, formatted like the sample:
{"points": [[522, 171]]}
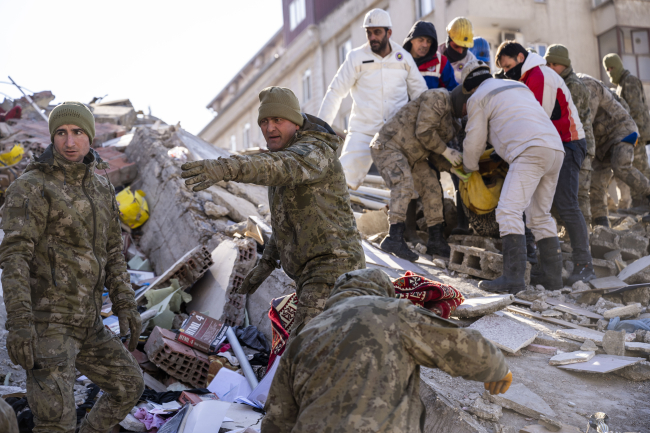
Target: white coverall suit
{"points": [[379, 87]]}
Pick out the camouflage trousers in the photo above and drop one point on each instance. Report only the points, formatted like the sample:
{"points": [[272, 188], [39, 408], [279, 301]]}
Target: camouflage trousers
{"points": [[641, 157], [97, 353], [312, 298], [403, 179], [584, 184], [619, 160]]}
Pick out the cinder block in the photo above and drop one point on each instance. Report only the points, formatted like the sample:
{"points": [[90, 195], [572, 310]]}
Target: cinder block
{"points": [[176, 359], [633, 246], [488, 244], [604, 268], [479, 263], [603, 240]]}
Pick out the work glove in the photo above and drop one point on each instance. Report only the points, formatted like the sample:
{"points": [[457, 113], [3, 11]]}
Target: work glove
{"points": [[461, 174], [206, 173], [129, 319], [20, 345], [500, 386], [453, 156], [256, 277]]}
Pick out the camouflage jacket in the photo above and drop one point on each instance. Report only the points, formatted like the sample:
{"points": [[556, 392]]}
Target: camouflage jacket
{"points": [[420, 127], [315, 235], [630, 88], [581, 97], [62, 244], [609, 120], [356, 366]]}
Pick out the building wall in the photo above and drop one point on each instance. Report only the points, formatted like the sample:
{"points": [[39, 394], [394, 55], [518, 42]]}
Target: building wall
{"points": [[316, 42]]}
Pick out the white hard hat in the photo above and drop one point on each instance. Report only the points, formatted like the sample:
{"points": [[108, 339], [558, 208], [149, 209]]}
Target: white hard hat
{"points": [[377, 18]]}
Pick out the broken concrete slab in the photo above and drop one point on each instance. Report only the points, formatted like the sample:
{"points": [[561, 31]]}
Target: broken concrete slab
{"points": [[638, 372], [589, 345], [381, 258], [582, 335], [550, 424], [242, 416], [124, 116], [572, 309], [486, 243], [479, 262], [539, 305], [571, 357], [256, 194], [636, 272], [485, 410], [480, 306], [522, 400], [633, 246], [603, 364], [547, 350], [372, 222], [538, 428], [443, 414], [607, 283], [604, 268], [258, 304], [506, 334], [239, 209], [638, 347], [614, 343], [551, 313], [624, 312]]}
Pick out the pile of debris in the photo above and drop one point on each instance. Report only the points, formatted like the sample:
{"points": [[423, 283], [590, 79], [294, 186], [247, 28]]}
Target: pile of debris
{"points": [[188, 252]]}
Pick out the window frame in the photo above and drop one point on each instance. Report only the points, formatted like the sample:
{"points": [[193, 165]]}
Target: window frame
{"points": [[620, 42], [233, 143], [297, 13], [421, 13], [306, 89], [246, 138]]}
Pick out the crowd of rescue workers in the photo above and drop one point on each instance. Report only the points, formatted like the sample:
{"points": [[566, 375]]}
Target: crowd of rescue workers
{"points": [[556, 137]]}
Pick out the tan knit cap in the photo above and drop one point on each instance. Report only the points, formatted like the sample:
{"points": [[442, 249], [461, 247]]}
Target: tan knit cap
{"points": [[279, 102]]}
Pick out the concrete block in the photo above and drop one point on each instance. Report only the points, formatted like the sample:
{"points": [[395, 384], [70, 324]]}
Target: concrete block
{"points": [[522, 400], [550, 424], [603, 364], [638, 372], [604, 268], [571, 357], [539, 428], [547, 350], [508, 335], [637, 346], [117, 115], [636, 272], [640, 296], [614, 343], [627, 311], [256, 194], [603, 240], [239, 208], [530, 295], [539, 305], [475, 307], [485, 410], [443, 414], [607, 283], [479, 262], [176, 359], [214, 210], [372, 222], [589, 345], [488, 244], [633, 246], [572, 309], [258, 304], [582, 335]]}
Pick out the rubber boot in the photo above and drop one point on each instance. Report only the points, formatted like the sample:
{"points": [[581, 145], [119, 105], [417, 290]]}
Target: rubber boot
{"points": [[437, 244], [411, 234], [601, 221], [514, 267], [531, 250], [462, 224], [550, 265], [395, 244], [581, 272]]}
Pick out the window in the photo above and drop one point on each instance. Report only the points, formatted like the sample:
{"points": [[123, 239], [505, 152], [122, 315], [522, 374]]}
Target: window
{"points": [[344, 49], [632, 45], [425, 7], [233, 143], [539, 47], [306, 86], [247, 136], [297, 13]]}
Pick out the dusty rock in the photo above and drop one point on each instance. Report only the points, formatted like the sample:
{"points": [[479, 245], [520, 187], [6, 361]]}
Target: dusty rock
{"points": [[614, 343], [551, 313], [215, 210], [589, 345], [550, 424], [256, 194], [520, 399], [571, 357], [530, 295], [485, 410], [637, 373], [640, 335], [480, 306], [440, 263], [372, 222], [580, 285], [539, 306], [627, 311], [239, 209], [601, 324], [421, 249]]}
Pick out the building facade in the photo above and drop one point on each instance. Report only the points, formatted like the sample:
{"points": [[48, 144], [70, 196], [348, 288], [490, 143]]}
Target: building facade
{"points": [[306, 52]]}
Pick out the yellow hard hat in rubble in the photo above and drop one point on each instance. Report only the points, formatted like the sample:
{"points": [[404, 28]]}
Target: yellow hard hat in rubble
{"points": [[460, 31]]}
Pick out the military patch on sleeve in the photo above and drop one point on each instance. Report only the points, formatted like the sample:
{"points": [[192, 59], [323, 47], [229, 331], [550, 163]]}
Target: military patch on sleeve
{"points": [[15, 213]]}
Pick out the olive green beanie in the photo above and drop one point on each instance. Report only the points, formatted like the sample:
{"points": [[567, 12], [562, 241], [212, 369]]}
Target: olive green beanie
{"points": [[279, 102], [72, 113], [613, 61], [558, 54]]}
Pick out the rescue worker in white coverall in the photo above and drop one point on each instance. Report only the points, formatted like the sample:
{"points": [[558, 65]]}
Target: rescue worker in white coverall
{"points": [[381, 76], [506, 114]]}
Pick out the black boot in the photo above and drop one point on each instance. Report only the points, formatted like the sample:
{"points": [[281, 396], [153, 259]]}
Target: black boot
{"points": [[531, 250], [411, 234], [462, 224], [394, 243], [550, 265], [514, 267], [437, 244], [601, 221], [581, 272]]}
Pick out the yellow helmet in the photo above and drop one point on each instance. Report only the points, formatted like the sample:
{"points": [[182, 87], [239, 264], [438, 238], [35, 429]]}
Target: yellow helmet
{"points": [[460, 31]]}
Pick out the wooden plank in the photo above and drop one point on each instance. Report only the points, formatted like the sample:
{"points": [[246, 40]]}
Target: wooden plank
{"points": [[522, 302], [545, 319], [573, 309]]}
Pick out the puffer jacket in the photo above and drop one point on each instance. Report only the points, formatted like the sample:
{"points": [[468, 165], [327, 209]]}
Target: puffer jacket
{"points": [[611, 122], [62, 244]]}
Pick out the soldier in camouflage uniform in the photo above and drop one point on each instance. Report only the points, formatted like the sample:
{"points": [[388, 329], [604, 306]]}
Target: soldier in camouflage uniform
{"points": [[62, 246], [631, 90], [400, 151], [356, 367], [557, 58], [315, 235], [615, 134]]}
